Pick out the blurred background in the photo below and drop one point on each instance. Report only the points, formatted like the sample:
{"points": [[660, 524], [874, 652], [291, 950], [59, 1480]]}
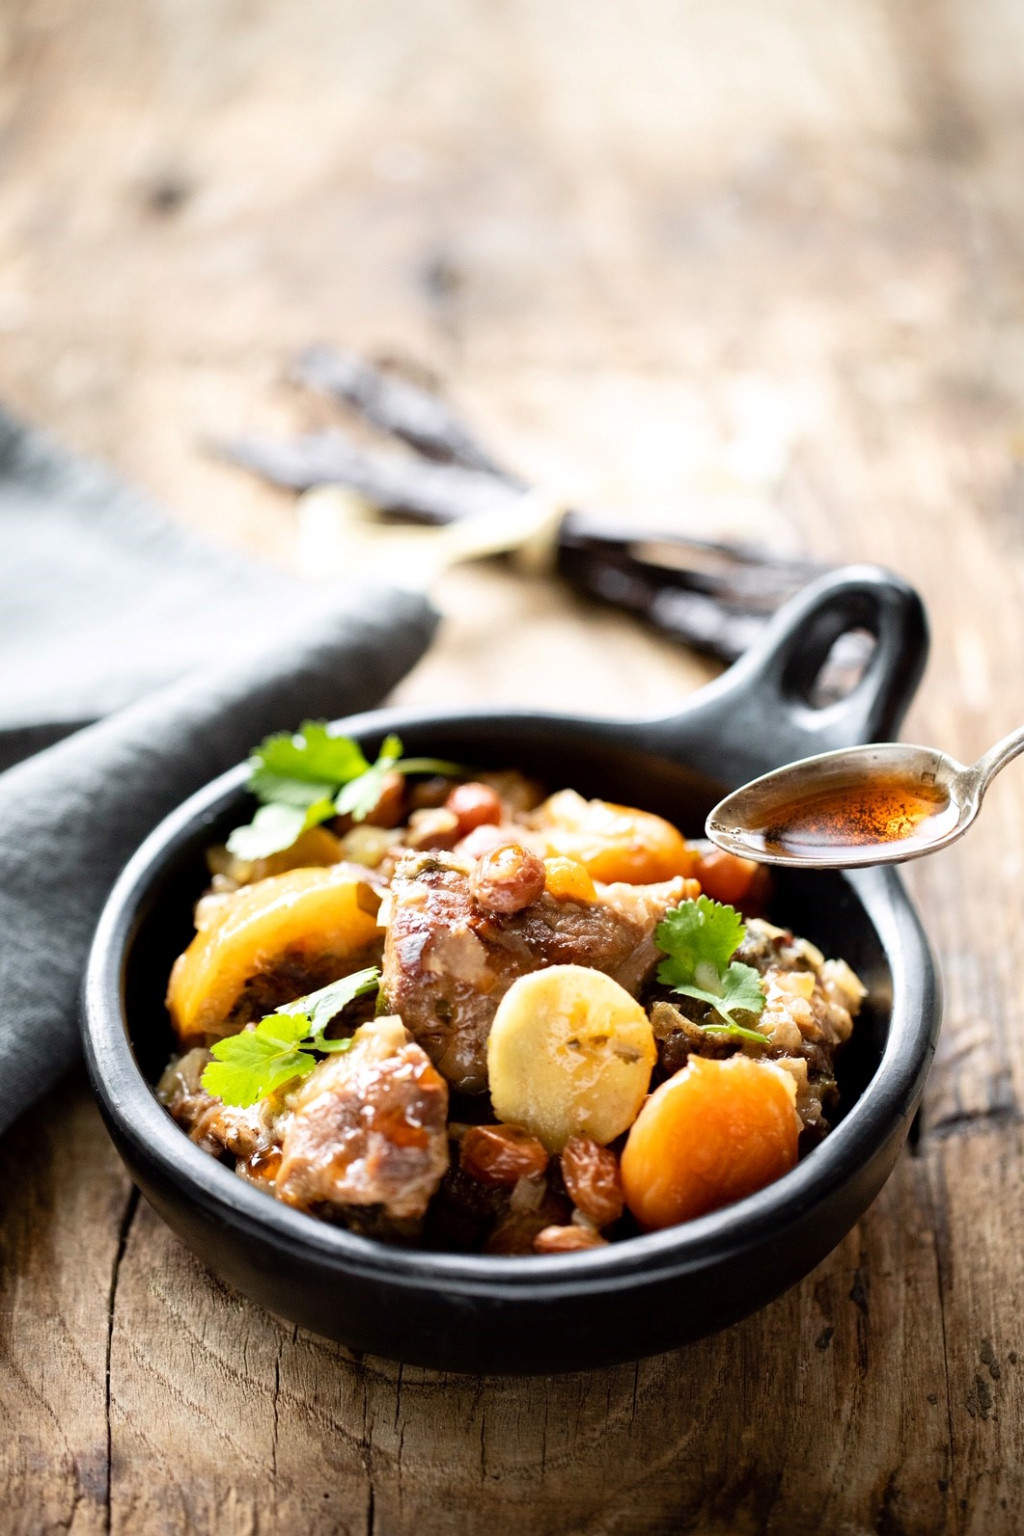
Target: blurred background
{"points": [[735, 269]]}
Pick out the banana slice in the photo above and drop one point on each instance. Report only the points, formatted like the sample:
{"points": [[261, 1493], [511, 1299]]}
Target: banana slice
{"points": [[570, 1054]]}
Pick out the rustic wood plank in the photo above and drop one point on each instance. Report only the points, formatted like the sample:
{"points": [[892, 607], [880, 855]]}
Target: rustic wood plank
{"points": [[260, 1424], [63, 1199]]}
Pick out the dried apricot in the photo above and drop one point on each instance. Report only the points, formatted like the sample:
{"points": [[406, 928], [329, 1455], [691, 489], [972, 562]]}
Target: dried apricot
{"points": [[569, 880], [614, 842], [716, 1131], [283, 936]]}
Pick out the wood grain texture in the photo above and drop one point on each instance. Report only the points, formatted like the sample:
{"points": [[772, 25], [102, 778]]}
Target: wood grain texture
{"points": [[741, 268]]}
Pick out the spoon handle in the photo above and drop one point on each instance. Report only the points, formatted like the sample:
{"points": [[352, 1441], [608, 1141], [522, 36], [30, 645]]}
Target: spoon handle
{"points": [[997, 757]]}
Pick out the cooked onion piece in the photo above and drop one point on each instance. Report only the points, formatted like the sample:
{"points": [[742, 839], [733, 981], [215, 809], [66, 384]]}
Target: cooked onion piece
{"points": [[268, 943], [570, 1053], [716, 1131]]}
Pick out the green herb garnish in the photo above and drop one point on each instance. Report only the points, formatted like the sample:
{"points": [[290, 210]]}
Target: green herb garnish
{"points": [[700, 938], [305, 778], [254, 1063]]}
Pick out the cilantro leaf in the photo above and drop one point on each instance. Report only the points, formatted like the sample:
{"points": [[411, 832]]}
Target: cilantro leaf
{"points": [[699, 939], [696, 933], [437, 765], [276, 827], [249, 1066], [743, 989], [319, 1008], [312, 755], [359, 796], [304, 778], [256, 1062], [275, 789]]}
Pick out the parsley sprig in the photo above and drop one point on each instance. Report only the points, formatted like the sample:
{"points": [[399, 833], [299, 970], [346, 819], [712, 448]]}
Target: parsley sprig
{"points": [[700, 938], [305, 778], [254, 1063]]}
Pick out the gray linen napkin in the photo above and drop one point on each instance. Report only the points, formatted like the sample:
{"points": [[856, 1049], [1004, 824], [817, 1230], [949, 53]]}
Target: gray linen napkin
{"points": [[103, 599], [71, 815]]}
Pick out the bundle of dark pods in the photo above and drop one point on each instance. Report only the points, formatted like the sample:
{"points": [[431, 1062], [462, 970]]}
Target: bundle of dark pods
{"points": [[714, 596]]}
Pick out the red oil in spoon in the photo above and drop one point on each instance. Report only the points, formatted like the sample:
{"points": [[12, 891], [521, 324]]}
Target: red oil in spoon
{"points": [[851, 813]]}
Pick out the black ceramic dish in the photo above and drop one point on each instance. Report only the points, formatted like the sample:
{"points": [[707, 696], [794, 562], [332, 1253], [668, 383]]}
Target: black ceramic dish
{"points": [[574, 1311]]}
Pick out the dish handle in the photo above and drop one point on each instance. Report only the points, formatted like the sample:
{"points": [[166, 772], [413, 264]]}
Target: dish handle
{"points": [[760, 713]]}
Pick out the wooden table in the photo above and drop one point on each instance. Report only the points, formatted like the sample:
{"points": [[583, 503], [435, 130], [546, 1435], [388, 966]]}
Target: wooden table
{"points": [[738, 266]]}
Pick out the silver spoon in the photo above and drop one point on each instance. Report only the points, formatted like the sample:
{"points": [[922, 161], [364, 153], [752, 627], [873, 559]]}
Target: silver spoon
{"points": [[862, 805]]}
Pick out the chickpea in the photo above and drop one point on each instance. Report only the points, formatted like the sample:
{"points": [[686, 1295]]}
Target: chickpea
{"points": [[508, 879], [475, 805]]}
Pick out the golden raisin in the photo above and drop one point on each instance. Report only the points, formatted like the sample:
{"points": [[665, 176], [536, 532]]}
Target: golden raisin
{"points": [[501, 1154], [591, 1174]]}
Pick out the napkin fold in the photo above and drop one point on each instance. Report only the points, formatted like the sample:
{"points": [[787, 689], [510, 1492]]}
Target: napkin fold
{"points": [[72, 813]]}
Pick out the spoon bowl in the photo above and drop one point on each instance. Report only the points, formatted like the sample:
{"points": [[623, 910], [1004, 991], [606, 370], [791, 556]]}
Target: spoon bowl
{"points": [[879, 804]]}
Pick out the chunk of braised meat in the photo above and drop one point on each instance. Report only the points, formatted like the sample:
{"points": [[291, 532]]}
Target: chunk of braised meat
{"points": [[448, 961], [592, 1179], [644, 906], [502, 1154], [570, 1239], [213, 1125], [367, 1128], [677, 1034]]}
